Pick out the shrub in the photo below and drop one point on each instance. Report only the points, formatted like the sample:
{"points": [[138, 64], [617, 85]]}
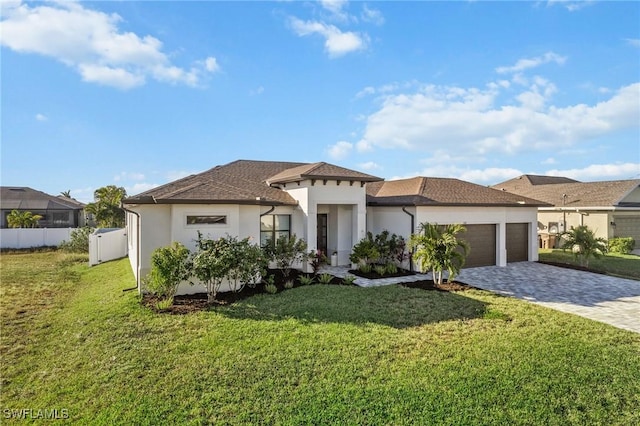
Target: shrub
{"points": [[583, 243], [288, 284], [624, 245], [380, 270], [365, 251], [164, 304], [170, 266], [286, 251], [349, 280], [79, 241], [211, 263], [249, 266], [391, 268], [305, 280], [269, 285], [325, 278], [383, 248], [365, 268]]}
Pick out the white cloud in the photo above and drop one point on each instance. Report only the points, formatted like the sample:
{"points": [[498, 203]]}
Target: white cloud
{"points": [[472, 120], [372, 15], [550, 160], [340, 150], [140, 187], [41, 117], [635, 42], [600, 172], [487, 176], [128, 176], [335, 7], [337, 43], [257, 91], [92, 43], [571, 5], [369, 165], [527, 63]]}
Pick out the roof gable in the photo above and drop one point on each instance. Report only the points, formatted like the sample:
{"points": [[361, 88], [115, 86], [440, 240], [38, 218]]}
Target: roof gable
{"points": [[424, 191], [320, 170], [576, 194]]}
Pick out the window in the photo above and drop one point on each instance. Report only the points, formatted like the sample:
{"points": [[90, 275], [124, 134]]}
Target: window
{"points": [[272, 226], [207, 220], [60, 219]]}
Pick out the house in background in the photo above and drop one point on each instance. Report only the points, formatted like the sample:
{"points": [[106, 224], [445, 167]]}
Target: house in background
{"points": [[328, 206], [56, 212], [610, 208]]}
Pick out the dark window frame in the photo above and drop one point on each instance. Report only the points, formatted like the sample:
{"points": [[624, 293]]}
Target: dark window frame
{"points": [[274, 231], [206, 219]]}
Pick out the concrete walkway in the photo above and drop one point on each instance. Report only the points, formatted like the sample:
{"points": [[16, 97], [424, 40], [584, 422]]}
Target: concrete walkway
{"points": [[615, 301]]}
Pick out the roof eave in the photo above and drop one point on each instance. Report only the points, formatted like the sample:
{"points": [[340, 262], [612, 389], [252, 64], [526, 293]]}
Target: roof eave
{"points": [[256, 202]]}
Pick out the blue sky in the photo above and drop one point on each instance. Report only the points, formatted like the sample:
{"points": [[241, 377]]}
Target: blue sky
{"points": [[137, 94]]}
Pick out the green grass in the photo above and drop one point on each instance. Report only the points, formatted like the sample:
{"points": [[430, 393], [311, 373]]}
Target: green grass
{"points": [[624, 265], [72, 339]]}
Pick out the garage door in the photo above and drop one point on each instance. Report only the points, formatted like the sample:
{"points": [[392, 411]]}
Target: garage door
{"points": [[627, 227], [517, 242], [482, 245]]}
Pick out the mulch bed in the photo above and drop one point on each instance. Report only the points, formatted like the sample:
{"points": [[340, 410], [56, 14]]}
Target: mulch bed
{"points": [[198, 302], [373, 275]]}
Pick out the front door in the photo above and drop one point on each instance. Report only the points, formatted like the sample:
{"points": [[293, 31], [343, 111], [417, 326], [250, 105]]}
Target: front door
{"points": [[322, 233]]}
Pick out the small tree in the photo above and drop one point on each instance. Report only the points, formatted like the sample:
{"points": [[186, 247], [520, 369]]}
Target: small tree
{"points": [[170, 266], [212, 262], [365, 252], [286, 251], [437, 248], [584, 244], [22, 219]]}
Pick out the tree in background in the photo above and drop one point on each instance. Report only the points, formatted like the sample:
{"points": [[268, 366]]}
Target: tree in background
{"points": [[18, 219], [106, 208], [583, 242], [438, 248], [66, 194]]}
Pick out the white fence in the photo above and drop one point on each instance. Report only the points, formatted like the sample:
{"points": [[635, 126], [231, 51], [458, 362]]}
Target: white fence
{"points": [[19, 238], [107, 244]]}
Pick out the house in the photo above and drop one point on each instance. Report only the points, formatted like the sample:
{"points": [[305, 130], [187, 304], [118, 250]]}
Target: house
{"points": [[610, 208], [330, 207], [56, 212]]}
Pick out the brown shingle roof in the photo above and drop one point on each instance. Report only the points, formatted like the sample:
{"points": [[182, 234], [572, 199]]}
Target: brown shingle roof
{"points": [[244, 181], [320, 170], [25, 198], [578, 194], [423, 191]]}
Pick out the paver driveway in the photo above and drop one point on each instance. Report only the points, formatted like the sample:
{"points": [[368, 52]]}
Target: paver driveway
{"points": [[612, 300]]}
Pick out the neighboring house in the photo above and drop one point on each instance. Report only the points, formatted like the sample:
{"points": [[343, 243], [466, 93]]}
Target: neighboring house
{"points": [[330, 207], [56, 212], [609, 208]]}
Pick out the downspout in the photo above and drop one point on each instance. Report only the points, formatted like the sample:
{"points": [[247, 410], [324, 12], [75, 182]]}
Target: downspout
{"points": [[268, 211], [404, 209], [137, 247]]}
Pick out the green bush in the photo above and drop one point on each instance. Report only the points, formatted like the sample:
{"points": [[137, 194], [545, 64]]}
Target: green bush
{"points": [[170, 266], [349, 280], [305, 280], [285, 251], [79, 242], [325, 278], [624, 245]]}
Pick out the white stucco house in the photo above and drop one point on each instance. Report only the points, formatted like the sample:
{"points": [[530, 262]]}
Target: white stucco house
{"points": [[330, 207]]}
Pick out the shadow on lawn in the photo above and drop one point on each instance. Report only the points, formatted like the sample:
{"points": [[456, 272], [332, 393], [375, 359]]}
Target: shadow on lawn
{"points": [[394, 306]]}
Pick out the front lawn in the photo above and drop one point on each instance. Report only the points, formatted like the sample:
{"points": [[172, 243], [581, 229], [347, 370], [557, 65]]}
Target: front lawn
{"points": [[72, 339], [623, 265]]}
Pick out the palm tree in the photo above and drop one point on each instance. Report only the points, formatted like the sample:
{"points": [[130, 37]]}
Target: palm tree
{"points": [[66, 194], [106, 207], [18, 219], [437, 248], [583, 243]]}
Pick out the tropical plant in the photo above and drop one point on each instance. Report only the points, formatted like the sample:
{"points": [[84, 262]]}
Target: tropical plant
{"points": [[381, 270], [325, 278], [623, 245], [22, 219], [285, 251], [66, 194], [106, 206], [288, 284], [391, 268], [212, 262], [170, 266], [305, 280], [383, 248], [316, 260], [349, 280], [437, 248], [79, 241], [269, 285], [584, 244]]}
